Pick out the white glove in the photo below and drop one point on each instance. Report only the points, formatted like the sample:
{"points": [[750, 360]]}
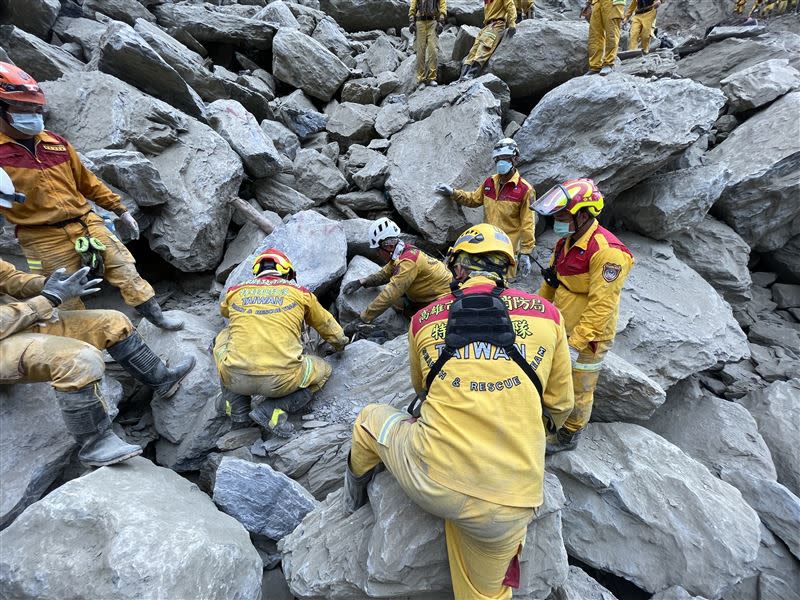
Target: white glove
{"points": [[444, 189], [573, 354], [131, 224], [523, 266]]}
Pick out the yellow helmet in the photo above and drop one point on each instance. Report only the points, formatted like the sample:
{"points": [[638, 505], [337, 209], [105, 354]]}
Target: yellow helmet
{"points": [[483, 239], [279, 261]]}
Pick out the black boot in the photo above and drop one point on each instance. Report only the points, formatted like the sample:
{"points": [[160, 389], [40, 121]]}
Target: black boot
{"points": [[272, 415], [235, 406], [354, 494], [151, 311], [564, 440], [87, 420], [473, 71], [138, 359], [464, 70]]}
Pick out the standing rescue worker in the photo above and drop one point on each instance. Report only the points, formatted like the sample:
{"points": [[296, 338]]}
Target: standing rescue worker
{"points": [[644, 21], [426, 22], [605, 22], [261, 352], [506, 199], [56, 226], [769, 7], [475, 454], [499, 18], [585, 279], [525, 9], [412, 278]]}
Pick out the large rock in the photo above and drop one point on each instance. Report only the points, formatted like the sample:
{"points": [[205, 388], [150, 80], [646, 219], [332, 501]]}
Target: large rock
{"points": [[241, 130], [329, 34], [363, 15], [317, 176], [754, 199], [126, 11], [132, 172], [433, 142], [685, 14], [216, 24], [382, 56], [579, 586], [278, 12], [34, 16], [301, 61], [84, 32], [786, 261], [644, 123], [624, 392], [284, 200], [776, 409], [777, 573], [760, 84], [352, 123], [540, 56], [299, 115], [131, 531], [265, 501], [640, 508], [318, 265], [246, 241], [367, 553], [42, 61]]}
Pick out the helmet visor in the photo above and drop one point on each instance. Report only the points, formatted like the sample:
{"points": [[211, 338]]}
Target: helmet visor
{"points": [[554, 201]]}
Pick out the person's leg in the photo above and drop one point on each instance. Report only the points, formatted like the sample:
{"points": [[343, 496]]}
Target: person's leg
{"points": [[100, 328], [596, 37], [636, 31], [489, 37], [420, 41], [612, 26], [648, 22], [432, 55]]}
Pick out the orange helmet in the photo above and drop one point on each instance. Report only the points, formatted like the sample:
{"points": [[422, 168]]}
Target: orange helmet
{"points": [[17, 87], [572, 196], [281, 263]]}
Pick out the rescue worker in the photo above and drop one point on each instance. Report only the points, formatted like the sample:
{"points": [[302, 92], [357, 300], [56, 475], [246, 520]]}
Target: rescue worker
{"points": [[506, 198], [525, 9], [474, 455], [605, 22], [584, 280], [426, 22], [39, 342], [56, 221], [767, 8], [260, 351], [499, 21], [412, 278], [644, 21]]}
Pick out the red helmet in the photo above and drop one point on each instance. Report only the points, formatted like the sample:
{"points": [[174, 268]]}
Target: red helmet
{"points": [[17, 87], [572, 196], [282, 263]]}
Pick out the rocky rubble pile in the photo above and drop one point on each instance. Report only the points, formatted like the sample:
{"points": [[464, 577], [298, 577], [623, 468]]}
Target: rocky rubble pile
{"points": [[687, 483]]}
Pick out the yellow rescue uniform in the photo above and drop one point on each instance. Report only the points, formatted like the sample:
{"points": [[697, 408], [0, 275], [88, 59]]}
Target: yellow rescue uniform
{"points": [[642, 25], [426, 14], [261, 349], [604, 32], [475, 457], [497, 16], [591, 271], [523, 6], [415, 275]]}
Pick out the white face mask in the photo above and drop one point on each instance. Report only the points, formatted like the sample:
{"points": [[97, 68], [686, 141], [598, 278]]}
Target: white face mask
{"points": [[27, 123]]}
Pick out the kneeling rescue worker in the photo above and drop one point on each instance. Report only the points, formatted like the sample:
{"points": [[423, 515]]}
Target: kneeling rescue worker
{"points": [[261, 352], [56, 226], [412, 278], [584, 280], [39, 342], [491, 365]]}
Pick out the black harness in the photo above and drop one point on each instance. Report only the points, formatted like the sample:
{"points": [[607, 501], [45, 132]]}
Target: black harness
{"points": [[478, 318]]}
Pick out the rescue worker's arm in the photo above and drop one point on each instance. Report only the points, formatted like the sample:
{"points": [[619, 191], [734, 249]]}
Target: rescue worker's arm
{"points": [[527, 239], [412, 10], [18, 316], [381, 277], [223, 307], [471, 199], [415, 364], [546, 291], [394, 290], [323, 321], [630, 11], [511, 13], [19, 284], [559, 395], [604, 295], [91, 187]]}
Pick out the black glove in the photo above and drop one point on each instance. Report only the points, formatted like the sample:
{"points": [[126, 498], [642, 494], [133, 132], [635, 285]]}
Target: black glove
{"points": [[60, 288], [351, 287], [510, 32], [412, 26]]}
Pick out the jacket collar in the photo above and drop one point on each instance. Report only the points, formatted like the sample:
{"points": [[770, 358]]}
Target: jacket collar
{"points": [[514, 178], [45, 136], [583, 241]]}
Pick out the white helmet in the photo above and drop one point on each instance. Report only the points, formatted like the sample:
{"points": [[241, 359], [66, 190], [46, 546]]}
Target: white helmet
{"points": [[505, 147], [8, 195], [382, 229]]}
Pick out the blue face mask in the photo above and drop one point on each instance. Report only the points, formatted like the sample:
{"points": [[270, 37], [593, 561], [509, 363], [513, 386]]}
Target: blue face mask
{"points": [[27, 123], [561, 228], [504, 166]]}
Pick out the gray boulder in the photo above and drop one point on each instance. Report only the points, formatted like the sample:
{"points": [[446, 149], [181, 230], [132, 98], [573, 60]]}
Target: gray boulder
{"points": [[364, 167], [132, 172], [276, 196], [786, 295], [753, 202], [127, 11], [352, 123], [216, 24], [34, 16], [335, 555], [246, 241], [430, 143], [317, 176], [278, 12], [299, 115], [265, 501], [777, 574], [206, 426], [640, 508], [465, 38], [362, 202], [241, 130], [362, 91], [685, 15], [645, 123], [777, 411], [318, 266], [284, 138], [676, 593], [131, 531], [624, 392], [760, 84], [301, 61], [382, 56], [364, 15], [84, 32], [330, 35], [42, 61], [786, 261], [579, 586], [392, 117]]}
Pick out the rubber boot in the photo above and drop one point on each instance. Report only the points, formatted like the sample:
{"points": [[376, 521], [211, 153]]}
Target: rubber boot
{"points": [[235, 406], [354, 494], [151, 311], [564, 440], [87, 420], [274, 420], [138, 359], [473, 72], [464, 69]]}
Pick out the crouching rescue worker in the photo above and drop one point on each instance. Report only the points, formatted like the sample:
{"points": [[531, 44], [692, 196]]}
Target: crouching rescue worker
{"points": [[492, 367], [499, 21], [412, 278], [55, 225], [506, 198], [584, 280], [261, 352], [426, 22]]}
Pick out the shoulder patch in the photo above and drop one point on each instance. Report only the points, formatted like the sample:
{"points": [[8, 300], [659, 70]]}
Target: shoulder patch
{"points": [[611, 271]]}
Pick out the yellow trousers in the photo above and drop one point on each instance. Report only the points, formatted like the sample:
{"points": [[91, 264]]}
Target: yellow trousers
{"points": [[66, 352], [642, 30], [585, 374], [482, 537], [426, 45], [50, 248], [604, 32], [486, 43]]}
